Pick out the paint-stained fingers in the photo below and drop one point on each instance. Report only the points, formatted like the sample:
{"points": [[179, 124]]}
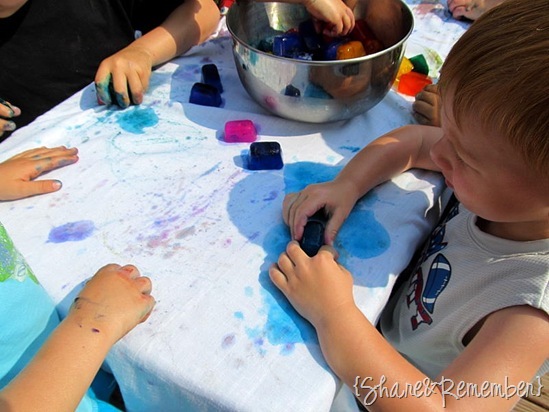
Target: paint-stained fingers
{"points": [[136, 87], [7, 126], [45, 164], [8, 110], [121, 92], [103, 87]]}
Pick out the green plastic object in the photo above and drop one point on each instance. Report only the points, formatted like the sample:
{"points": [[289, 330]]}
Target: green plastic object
{"points": [[420, 64]]}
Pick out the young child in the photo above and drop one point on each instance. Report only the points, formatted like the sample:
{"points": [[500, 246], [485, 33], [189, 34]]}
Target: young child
{"points": [[45, 364], [488, 323], [50, 50]]}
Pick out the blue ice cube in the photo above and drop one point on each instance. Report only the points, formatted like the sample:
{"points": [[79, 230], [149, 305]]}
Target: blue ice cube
{"points": [[287, 45], [313, 233], [265, 156], [205, 95], [292, 91], [210, 75], [312, 40]]}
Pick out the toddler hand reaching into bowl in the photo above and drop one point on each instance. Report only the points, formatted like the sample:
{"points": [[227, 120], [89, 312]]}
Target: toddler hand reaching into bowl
{"points": [[332, 17]]}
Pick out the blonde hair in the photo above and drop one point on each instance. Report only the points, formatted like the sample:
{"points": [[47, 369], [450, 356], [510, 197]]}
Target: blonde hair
{"points": [[498, 72]]}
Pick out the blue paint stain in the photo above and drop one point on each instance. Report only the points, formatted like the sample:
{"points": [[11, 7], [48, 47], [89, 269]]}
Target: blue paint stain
{"points": [[71, 232], [352, 149], [361, 236], [134, 120], [239, 315]]}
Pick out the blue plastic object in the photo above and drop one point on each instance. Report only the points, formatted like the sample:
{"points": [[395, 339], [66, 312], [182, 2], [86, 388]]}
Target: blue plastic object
{"points": [[265, 156], [313, 233], [205, 95], [210, 75]]}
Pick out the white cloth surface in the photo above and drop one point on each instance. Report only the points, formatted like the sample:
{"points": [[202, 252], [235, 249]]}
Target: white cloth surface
{"points": [[157, 187]]}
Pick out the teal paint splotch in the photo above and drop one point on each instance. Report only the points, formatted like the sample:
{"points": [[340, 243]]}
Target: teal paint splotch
{"points": [[135, 120], [71, 232]]}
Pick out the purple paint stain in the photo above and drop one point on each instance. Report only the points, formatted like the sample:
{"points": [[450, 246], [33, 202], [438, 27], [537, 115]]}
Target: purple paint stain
{"points": [[71, 232], [228, 341]]}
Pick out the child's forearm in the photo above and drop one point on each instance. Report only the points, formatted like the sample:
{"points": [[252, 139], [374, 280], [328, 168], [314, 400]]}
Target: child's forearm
{"points": [[346, 334], [389, 155], [188, 25], [62, 371]]}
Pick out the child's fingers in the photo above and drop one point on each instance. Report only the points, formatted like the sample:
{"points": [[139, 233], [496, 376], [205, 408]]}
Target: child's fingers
{"points": [[144, 285], [102, 85], [120, 85], [7, 126], [8, 110], [33, 188], [333, 225], [278, 277], [136, 88], [329, 249], [130, 271]]}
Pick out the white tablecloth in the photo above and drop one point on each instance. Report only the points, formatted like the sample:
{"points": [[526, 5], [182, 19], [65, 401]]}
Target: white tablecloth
{"points": [[157, 187]]}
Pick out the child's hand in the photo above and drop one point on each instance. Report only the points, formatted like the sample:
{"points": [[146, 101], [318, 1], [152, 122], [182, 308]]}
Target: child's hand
{"points": [[19, 171], [317, 287], [333, 17], [426, 107], [129, 70], [336, 199], [7, 112], [114, 301]]}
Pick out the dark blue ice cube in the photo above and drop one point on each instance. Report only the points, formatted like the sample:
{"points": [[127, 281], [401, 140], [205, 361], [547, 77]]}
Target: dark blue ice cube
{"points": [[205, 95], [287, 44], [313, 233], [330, 49], [312, 40], [210, 76], [265, 156], [292, 91]]}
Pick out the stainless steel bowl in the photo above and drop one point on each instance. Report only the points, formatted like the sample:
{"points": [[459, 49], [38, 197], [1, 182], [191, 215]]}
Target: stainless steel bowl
{"points": [[328, 90]]}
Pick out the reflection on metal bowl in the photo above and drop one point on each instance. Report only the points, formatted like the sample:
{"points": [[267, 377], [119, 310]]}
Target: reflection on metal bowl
{"points": [[316, 91]]}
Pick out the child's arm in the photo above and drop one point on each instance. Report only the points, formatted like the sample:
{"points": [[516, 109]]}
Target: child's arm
{"points": [[130, 68], [321, 291], [397, 151], [18, 172], [335, 16], [113, 302]]}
